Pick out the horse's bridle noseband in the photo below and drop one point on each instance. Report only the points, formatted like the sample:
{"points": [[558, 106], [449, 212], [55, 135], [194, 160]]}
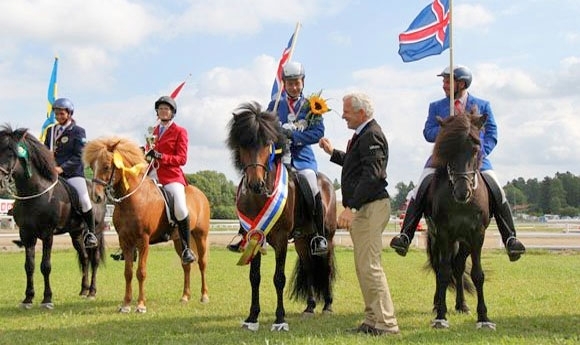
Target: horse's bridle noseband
{"points": [[470, 176]]}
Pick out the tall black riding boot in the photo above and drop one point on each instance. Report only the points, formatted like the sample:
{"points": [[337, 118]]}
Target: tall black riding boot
{"points": [[187, 255], [89, 234], [401, 242], [505, 222], [319, 244], [236, 247]]}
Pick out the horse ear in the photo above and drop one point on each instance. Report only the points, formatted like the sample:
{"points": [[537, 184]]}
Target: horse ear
{"points": [[20, 133], [439, 120]]}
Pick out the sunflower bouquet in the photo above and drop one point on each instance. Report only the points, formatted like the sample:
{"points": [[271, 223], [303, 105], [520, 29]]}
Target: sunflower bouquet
{"points": [[316, 107]]}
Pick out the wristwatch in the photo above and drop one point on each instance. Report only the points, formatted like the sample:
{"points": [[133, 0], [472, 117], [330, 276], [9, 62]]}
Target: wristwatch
{"points": [[353, 210]]}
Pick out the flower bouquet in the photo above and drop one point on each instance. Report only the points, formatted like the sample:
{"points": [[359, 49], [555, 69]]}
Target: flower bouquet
{"points": [[316, 106]]}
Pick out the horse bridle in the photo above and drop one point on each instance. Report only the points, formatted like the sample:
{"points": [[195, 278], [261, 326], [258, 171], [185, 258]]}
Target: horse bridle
{"points": [[470, 176], [8, 179], [110, 189], [257, 165]]}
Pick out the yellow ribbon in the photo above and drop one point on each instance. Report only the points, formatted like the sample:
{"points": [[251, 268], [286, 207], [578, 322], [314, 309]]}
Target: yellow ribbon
{"points": [[134, 170]]}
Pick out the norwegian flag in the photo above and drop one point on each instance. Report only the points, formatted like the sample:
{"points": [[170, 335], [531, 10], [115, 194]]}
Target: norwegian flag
{"points": [[428, 33], [285, 56]]}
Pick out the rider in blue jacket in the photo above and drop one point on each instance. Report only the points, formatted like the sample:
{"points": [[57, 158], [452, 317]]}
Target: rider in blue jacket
{"points": [[292, 113], [67, 140], [501, 209]]}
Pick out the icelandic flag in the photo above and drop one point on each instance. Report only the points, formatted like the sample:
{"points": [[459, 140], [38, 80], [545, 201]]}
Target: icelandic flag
{"points": [[52, 91], [428, 33], [278, 80]]}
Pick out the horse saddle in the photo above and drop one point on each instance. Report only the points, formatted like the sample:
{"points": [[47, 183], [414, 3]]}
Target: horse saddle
{"points": [[169, 210], [76, 210]]}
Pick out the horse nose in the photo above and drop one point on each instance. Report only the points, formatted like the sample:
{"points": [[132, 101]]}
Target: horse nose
{"points": [[258, 187]]}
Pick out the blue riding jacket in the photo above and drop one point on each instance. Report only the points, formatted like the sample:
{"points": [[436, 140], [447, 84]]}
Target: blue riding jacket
{"points": [[68, 150], [302, 154], [488, 135]]}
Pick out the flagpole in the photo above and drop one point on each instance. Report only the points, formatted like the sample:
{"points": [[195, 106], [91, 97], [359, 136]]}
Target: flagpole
{"points": [[280, 89], [451, 76]]}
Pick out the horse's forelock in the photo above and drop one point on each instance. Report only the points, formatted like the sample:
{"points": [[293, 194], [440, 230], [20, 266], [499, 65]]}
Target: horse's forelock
{"points": [[455, 133], [252, 128]]}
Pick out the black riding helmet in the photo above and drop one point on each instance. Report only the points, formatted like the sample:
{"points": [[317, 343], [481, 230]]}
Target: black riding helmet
{"points": [[166, 100]]}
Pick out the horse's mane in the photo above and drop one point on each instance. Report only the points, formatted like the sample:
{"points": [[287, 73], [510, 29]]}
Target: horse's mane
{"points": [[39, 155], [101, 149], [457, 135], [252, 128]]}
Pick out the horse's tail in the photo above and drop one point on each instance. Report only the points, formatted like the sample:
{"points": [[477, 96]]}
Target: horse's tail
{"points": [[462, 251], [317, 275]]}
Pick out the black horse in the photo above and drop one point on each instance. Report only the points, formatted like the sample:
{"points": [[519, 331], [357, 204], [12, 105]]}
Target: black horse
{"points": [[457, 215], [257, 145], [45, 205]]}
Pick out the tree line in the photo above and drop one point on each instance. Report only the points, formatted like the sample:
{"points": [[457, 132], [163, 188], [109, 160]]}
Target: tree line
{"points": [[553, 195]]}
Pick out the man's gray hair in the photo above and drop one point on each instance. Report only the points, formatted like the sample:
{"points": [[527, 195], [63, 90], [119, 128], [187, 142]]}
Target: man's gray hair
{"points": [[360, 101]]}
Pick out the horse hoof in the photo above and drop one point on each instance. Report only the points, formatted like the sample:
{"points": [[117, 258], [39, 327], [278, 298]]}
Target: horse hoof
{"points": [[47, 306], [91, 297], [307, 315], [204, 299], [184, 300], [440, 324], [26, 306], [327, 312], [279, 327], [485, 325], [124, 309], [251, 326], [141, 310]]}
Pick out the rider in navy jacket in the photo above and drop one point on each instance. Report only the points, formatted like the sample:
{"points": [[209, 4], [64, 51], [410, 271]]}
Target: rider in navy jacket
{"points": [[67, 140], [501, 209]]}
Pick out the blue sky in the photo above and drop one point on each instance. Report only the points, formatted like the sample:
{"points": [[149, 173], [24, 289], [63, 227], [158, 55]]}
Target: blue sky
{"points": [[118, 56]]}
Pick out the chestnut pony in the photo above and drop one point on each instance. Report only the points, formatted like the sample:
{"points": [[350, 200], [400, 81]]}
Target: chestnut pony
{"points": [[457, 215], [139, 217], [45, 205], [257, 143]]}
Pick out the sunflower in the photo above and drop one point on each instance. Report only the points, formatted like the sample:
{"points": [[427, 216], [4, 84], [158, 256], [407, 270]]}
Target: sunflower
{"points": [[318, 105]]}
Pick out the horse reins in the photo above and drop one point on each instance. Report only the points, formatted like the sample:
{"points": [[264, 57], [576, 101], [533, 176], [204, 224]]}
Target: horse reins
{"points": [[6, 183], [109, 189]]}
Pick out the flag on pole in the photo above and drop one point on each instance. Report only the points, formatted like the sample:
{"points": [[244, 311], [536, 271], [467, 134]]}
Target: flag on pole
{"points": [[178, 88], [285, 57], [428, 34], [51, 97]]}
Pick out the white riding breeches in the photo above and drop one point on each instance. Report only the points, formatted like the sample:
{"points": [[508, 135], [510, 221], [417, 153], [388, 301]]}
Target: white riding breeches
{"points": [[177, 190], [80, 185], [491, 173]]}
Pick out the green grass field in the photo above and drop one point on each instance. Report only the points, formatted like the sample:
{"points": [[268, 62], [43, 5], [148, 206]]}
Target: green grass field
{"points": [[533, 301]]}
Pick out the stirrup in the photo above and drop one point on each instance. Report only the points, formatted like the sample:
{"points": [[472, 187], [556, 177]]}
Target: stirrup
{"points": [[238, 246], [187, 256], [318, 246], [401, 248], [90, 240]]}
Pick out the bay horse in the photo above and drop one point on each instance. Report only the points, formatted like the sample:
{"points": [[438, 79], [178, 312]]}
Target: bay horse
{"points": [[140, 219], [457, 214], [257, 145], [45, 205]]}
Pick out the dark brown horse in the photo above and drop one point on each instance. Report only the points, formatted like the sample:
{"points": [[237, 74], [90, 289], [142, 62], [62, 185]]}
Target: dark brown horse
{"points": [[256, 143], [457, 214], [140, 216], [44, 206]]}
